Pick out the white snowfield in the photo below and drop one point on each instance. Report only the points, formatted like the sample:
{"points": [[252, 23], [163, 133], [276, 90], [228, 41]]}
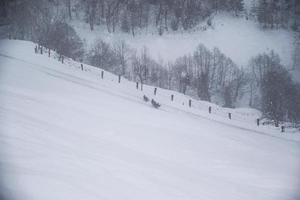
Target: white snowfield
{"points": [[68, 134]]}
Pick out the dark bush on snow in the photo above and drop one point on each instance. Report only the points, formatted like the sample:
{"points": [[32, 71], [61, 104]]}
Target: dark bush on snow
{"points": [[63, 38]]}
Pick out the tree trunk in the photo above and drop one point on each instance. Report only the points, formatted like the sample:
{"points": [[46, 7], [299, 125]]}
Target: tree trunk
{"points": [[69, 9]]}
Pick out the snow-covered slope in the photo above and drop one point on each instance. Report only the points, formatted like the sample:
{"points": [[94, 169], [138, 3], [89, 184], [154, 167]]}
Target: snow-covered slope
{"points": [[237, 38], [68, 134]]}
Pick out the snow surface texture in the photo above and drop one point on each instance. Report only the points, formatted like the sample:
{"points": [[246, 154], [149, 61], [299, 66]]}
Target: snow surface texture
{"points": [[68, 134], [237, 38]]}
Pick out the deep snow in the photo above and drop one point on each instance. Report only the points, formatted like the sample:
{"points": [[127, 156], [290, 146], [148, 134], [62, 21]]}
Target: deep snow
{"points": [[67, 134]]}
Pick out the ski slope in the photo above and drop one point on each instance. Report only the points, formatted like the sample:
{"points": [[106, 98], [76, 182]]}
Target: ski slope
{"points": [[68, 134]]}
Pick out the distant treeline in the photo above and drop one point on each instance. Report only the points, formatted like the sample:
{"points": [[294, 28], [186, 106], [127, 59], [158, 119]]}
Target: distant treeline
{"points": [[28, 16]]}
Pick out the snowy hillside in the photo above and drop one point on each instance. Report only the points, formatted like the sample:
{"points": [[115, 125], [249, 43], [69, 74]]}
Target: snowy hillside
{"points": [[237, 38], [68, 134]]}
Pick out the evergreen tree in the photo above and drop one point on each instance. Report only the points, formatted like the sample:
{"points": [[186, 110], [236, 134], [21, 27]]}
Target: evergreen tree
{"points": [[262, 12], [275, 85], [125, 26], [227, 95], [236, 6]]}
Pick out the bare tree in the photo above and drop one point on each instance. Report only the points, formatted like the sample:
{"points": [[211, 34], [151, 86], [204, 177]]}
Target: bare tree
{"points": [[122, 52], [141, 66], [102, 55]]}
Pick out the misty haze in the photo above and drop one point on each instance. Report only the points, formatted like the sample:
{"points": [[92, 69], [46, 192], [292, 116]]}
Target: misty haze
{"points": [[150, 99]]}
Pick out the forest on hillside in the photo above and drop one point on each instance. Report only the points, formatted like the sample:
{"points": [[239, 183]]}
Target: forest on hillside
{"points": [[130, 15]]}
